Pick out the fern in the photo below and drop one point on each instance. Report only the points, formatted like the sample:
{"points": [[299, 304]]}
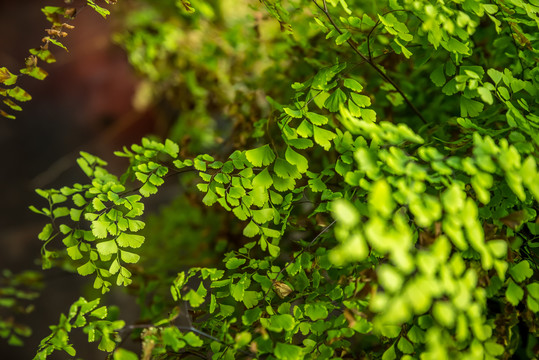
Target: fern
{"points": [[382, 204]]}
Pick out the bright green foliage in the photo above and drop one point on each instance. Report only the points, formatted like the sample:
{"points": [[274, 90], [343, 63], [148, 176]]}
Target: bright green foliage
{"points": [[86, 315], [104, 247], [378, 197]]}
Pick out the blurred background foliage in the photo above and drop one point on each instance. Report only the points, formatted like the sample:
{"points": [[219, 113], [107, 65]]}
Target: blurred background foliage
{"points": [[214, 81]]}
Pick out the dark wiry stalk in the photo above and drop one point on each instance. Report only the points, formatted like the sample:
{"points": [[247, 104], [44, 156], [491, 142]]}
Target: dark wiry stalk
{"points": [[369, 61]]}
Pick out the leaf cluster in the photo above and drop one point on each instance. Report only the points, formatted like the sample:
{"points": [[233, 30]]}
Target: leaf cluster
{"points": [[381, 205]]}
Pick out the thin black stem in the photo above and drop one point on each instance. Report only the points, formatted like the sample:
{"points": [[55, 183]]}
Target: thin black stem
{"points": [[504, 19], [301, 252], [372, 30], [128, 329], [369, 61]]}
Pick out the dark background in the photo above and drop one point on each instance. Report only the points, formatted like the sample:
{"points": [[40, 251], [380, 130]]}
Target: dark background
{"points": [[84, 104]]}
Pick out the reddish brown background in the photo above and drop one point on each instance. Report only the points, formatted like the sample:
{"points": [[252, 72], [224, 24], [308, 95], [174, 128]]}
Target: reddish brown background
{"points": [[84, 104]]}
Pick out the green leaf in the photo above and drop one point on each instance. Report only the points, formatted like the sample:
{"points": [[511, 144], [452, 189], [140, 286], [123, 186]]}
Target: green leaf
{"points": [[79, 200], [193, 340], [456, 46], [130, 240], [274, 250], [86, 269], [316, 119], [297, 159], [6, 77], [114, 267], [56, 42], [342, 38], [305, 129], [390, 278], [74, 253], [100, 10], [344, 212], [494, 286], [12, 105], [240, 213], [200, 165], [294, 113], [334, 101], [405, 346], [283, 184], [444, 313], [250, 299], [416, 335], [171, 148], [284, 170], [148, 189], [234, 263], [6, 115], [106, 344], [469, 107], [381, 198], [262, 156], [288, 352], [107, 247], [243, 338], [514, 293], [533, 304], [495, 75], [99, 228], [323, 137], [259, 196], [237, 290], [98, 204], [35, 72], [263, 179], [317, 185], [236, 192], [360, 100], [352, 85], [486, 95], [18, 94], [406, 37], [438, 76], [521, 271], [68, 349], [249, 317], [494, 349], [46, 233], [262, 216], [278, 323], [129, 257], [450, 87], [156, 180], [195, 299], [122, 354], [251, 230], [316, 311], [300, 143], [325, 75], [389, 354], [271, 233], [210, 198], [533, 289]]}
